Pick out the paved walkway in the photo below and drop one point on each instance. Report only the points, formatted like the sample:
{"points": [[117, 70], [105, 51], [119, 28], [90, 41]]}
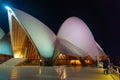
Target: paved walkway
{"points": [[52, 73]]}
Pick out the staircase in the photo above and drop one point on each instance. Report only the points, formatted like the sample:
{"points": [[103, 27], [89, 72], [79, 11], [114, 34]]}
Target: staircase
{"points": [[12, 62]]}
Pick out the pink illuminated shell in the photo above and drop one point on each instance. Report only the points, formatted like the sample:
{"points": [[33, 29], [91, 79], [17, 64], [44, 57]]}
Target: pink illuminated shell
{"points": [[76, 32]]}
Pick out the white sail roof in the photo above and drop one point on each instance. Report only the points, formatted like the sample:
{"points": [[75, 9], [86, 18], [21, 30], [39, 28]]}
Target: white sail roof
{"points": [[2, 33], [100, 50], [76, 32], [68, 48], [40, 34], [74, 36], [5, 45]]}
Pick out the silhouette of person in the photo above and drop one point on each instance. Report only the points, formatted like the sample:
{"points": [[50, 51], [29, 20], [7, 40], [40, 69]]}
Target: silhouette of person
{"points": [[106, 64]]}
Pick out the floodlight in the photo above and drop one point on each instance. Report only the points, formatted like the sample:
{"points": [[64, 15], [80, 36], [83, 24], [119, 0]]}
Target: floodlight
{"points": [[7, 7], [9, 10]]}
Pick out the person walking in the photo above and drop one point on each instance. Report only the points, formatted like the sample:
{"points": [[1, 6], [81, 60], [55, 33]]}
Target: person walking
{"points": [[106, 64]]}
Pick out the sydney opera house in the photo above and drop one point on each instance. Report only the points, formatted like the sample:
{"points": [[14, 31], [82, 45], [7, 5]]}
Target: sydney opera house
{"points": [[32, 40]]}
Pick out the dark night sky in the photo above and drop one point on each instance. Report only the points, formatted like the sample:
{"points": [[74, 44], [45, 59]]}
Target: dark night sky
{"points": [[101, 16]]}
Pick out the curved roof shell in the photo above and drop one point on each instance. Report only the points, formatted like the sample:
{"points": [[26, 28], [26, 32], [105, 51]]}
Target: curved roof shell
{"points": [[74, 37], [76, 32], [2, 33], [5, 45], [39, 33], [100, 50], [65, 47]]}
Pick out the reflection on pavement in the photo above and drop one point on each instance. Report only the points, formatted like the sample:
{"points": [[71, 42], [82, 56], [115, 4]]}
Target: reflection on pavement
{"points": [[14, 73], [52, 73], [61, 70]]}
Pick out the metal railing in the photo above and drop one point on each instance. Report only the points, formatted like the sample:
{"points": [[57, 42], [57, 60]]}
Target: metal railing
{"points": [[115, 70]]}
